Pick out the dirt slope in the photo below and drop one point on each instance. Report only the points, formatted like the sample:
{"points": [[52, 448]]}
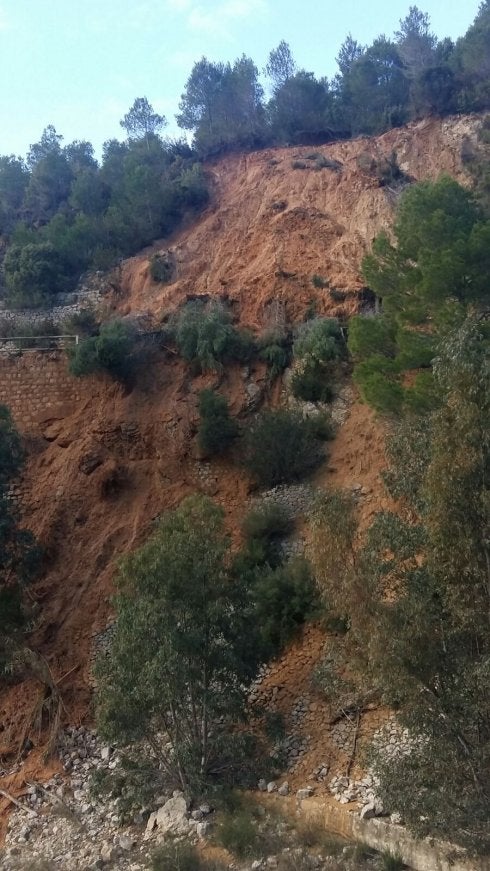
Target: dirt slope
{"points": [[96, 479], [272, 227]]}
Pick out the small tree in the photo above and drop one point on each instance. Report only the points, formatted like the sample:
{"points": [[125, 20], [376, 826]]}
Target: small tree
{"points": [[281, 446], [141, 121], [173, 676], [110, 351], [216, 430]]}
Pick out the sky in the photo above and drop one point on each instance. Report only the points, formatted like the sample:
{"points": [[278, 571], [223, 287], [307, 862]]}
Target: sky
{"points": [[79, 64]]}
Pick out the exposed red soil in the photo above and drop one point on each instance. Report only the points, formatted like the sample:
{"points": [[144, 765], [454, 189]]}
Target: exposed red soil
{"points": [[269, 229]]}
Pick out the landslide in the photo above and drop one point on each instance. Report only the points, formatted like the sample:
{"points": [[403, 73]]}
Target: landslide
{"points": [[98, 477]]}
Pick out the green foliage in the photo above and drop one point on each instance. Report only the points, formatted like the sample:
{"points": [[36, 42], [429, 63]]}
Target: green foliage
{"points": [[82, 323], [319, 282], [19, 556], [371, 335], [205, 335], [310, 384], [417, 594], [393, 862], [33, 274], [161, 268], [281, 446], [284, 599], [238, 833], [182, 856], [267, 520], [109, 351], [427, 281], [274, 348], [383, 394], [216, 429], [175, 671], [319, 341]]}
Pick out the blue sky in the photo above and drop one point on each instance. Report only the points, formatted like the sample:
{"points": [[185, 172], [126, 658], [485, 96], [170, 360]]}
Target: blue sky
{"points": [[79, 64]]}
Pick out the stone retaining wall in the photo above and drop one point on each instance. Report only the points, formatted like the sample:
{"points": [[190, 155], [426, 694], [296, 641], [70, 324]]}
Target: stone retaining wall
{"points": [[428, 854], [88, 295], [37, 386]]}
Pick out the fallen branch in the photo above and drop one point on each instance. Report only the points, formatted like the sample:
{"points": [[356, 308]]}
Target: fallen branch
{"points": [[352, 756], [17, 803]]}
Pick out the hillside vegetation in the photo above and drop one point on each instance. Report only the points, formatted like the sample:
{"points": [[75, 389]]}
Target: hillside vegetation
{"points": [[206, 475]]}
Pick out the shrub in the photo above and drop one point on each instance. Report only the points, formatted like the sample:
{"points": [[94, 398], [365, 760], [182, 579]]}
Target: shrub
{"points": [[320, 340], [264, 528], [319, 282], [182, 856], [284, 598], [310, 384], [205, 334], [298, 164], [161, 268], [238, 833], [392, 862], [109, 351], [280, 447], [82, 323], [216, 429], [275, 349]]}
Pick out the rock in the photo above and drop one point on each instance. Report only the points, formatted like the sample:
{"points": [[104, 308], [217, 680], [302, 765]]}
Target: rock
{"points": [[126, 843], [254, 396], [271, 787], [368, 811], [105, 753], [396, 819], [203, 828], [107, 852], [150, 826], [205, 809], [304, 793], [284, 789], [262, 785], [172, 817], [197, 815], [257, 864]]}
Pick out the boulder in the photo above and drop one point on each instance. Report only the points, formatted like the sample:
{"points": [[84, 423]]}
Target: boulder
{"points": [[172, 816]]}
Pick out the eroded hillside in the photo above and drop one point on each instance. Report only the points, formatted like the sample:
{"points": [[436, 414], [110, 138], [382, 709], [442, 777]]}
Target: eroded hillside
{"points": [[271, 226], [97, 476]]}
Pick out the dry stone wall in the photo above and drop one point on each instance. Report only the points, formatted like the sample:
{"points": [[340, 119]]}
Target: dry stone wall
{"points": [[90, 292], [37, 386]]}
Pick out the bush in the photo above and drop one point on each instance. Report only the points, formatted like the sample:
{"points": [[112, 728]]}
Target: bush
{"points": [[284, 598], [161, 268], [182, 856], [238, 833], [319, 282], [82, 323], [264, 528], [320, 341], [216, 429], [205, 334], [275, 349], [110, 351], [310, 384], [280, 447]]}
